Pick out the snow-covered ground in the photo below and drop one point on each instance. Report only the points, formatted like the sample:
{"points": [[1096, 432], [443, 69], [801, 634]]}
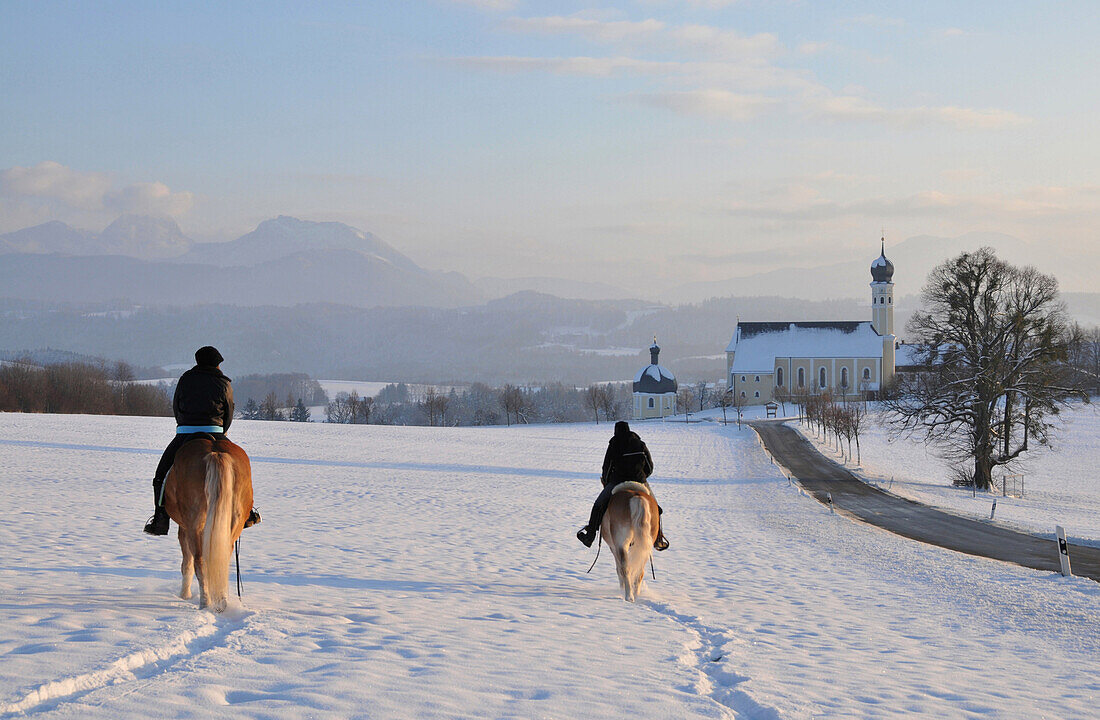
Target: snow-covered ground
{"points": [[1061, 485], [433, 573]]}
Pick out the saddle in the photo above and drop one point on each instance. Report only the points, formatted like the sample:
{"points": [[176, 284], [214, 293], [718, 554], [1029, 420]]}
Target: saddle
{"points": [[635, 486]]}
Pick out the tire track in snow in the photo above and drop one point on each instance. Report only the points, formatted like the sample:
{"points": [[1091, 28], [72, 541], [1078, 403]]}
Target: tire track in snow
{"points": [[134, 666], [705, 656]]}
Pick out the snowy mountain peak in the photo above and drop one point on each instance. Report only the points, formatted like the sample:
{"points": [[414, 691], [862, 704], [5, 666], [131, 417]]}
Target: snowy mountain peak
{"points": [[143, 236]]}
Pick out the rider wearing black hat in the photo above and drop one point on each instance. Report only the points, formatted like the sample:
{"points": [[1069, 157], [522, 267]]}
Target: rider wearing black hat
{"points": [[203, 405]]}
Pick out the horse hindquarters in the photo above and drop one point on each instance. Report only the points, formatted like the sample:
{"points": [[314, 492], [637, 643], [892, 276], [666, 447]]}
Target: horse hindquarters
{"points": [[629, 533], [217, 538]]}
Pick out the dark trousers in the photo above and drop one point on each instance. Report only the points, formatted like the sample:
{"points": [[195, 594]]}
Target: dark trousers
{"points": [[169, 457]]}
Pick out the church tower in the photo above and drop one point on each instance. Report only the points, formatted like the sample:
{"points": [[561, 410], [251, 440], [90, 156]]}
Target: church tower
{"points": [[882, 310], [882, 294]]}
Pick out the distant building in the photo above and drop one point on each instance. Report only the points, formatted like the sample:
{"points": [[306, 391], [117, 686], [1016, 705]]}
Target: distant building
{"points": [[654, 389], [849, 358]]}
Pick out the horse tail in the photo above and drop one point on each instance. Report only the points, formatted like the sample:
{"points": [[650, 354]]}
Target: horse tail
{"points": [[217, 533]]}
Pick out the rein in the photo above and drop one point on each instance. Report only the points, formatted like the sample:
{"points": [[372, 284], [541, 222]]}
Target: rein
{"points": [[599, 537], [237, 548]]}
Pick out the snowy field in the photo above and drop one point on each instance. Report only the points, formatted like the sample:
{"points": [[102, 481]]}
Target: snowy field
{"points": [[1061, 485], [433, 573]]}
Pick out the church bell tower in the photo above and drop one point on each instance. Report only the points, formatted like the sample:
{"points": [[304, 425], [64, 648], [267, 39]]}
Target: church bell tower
{"points": [[882, 294]]}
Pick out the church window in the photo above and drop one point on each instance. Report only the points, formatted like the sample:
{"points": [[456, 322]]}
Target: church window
{"points": [[742, 393], [890, 300], [843, 377], [801, 377], [756, 394], [866, 373], [821, 379], [651, 402], [779, 377], [742, 378], [757, 378]]}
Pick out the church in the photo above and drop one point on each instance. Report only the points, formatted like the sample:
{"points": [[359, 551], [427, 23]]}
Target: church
{"points": [[654, 388], [766, 360]]}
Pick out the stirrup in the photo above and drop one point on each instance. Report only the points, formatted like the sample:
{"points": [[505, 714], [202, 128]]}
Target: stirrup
{"points": [[253, 518], [158, 524], [661, 543]]}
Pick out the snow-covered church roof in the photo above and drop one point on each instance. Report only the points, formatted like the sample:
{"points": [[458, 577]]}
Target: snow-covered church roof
{"points": [[654, 378], [756, 345]]}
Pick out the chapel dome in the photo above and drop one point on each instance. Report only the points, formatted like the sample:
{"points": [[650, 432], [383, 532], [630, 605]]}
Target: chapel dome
{"points": [[882, 270], [654, 378]]}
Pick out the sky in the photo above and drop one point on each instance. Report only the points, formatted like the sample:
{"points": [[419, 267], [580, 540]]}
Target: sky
{"points": [[632, 142]]}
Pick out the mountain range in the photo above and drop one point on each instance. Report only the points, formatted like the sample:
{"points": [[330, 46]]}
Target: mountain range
{"points": [[284, 261], [287, 261]]}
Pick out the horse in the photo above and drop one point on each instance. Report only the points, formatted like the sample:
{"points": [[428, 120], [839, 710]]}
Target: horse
{"points": [[629, 528], [208, 492]]}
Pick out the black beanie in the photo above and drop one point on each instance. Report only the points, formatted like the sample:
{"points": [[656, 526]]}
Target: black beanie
{"points": [[208, 355], [622, 429]]}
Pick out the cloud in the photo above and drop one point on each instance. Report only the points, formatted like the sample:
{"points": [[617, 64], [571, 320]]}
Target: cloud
{"points": [[64, 188], [654, 36], [850, 107], [594, 30], [53, 181], [149, 199], [1037, 203], [581, 66], [815, 48], [872, 20], [712, 103], [487, 4], [727, 73]]}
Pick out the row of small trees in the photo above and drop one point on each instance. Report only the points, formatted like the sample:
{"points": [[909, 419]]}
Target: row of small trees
{"points": [[270, 409], [480, 404], [79, 388], [835, 416]]}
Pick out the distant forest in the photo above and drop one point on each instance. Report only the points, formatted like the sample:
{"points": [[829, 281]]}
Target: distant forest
{"points": [[83, 388]]}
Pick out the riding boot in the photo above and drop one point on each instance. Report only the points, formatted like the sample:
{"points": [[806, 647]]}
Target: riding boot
{"points": [[586, 535], [661, 543], [158, 524]]}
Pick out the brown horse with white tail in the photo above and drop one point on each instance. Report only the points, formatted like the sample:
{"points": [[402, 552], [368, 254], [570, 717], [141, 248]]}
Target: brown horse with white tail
{"points": [[208, 493], [630, 528]]}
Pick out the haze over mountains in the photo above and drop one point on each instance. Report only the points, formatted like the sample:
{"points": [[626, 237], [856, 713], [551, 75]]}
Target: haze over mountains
{"points": [[286, 261], [334, 301]]}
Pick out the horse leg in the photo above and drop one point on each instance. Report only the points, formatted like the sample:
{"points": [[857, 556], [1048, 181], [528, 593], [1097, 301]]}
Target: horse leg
{"points": [[200, 564], [622, 567], [187, 567]]}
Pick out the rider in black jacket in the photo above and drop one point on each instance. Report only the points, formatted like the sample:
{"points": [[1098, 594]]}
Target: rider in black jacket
{"points": [[627, 459], [203, 405]]}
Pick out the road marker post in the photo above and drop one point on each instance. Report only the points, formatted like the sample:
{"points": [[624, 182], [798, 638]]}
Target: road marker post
{"points": [[1063, 550], [993, 510], [830, 502]]}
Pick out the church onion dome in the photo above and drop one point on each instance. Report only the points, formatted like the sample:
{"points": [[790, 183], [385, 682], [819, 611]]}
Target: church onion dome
{"points": [[654, 378], [882, 270]]}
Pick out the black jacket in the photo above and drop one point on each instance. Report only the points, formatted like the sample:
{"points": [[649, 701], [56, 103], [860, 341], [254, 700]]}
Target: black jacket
{"points": [[203, 397], [627, 458]]}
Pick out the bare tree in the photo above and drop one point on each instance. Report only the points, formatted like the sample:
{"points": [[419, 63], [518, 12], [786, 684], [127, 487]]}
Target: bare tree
{"points": [[594, 400], [995, 338]]}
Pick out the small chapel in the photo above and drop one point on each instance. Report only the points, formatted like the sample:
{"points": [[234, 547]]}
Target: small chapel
{"points": [[654, 388], [850, 358]]}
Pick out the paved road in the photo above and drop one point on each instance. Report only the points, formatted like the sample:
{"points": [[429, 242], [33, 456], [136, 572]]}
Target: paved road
{"points": [[820, 476]]}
